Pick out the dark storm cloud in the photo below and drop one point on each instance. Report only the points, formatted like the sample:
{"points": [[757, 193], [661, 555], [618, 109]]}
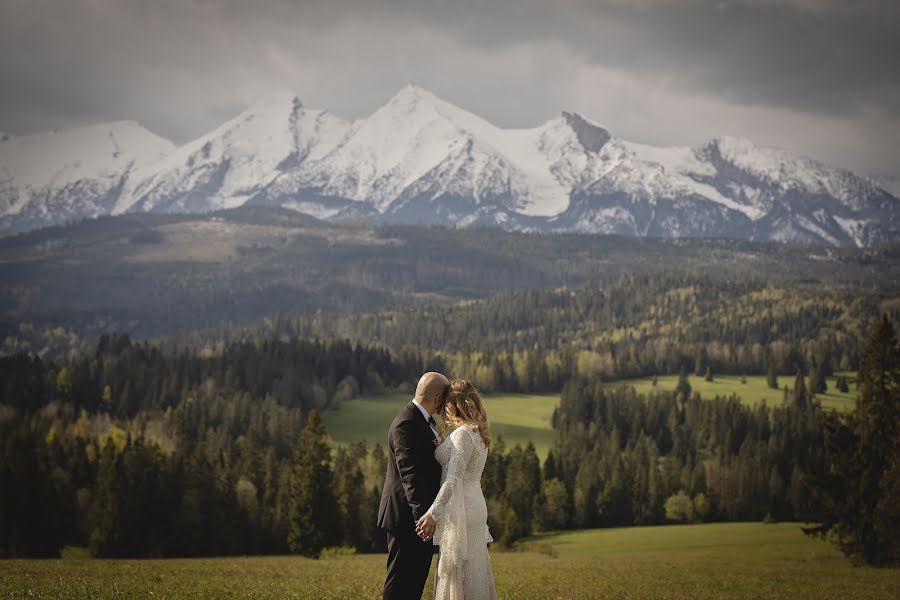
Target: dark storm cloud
{"points": [[826, 55], [183, 66]]}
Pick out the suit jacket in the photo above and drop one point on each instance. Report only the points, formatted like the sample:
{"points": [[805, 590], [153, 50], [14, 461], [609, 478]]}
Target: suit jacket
{"points": [[413, 474]]}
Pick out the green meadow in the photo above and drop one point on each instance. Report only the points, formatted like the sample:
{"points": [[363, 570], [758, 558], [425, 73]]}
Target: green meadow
{"points": [[519, 418], [751, 392], [727, 561]]}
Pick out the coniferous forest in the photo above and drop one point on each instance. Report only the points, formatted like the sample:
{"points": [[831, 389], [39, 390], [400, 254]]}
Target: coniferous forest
{"points": [[210, 441], [134, 449]]}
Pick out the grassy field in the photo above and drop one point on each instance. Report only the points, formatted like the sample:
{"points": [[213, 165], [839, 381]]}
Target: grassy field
{"points": [[728, 561], [519, 418], [751, 392]]}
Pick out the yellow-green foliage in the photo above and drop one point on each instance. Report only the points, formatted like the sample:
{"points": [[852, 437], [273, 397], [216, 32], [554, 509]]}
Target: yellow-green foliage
{"points": [[719, 561]]}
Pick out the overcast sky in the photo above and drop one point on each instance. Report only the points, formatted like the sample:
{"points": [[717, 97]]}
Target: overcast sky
{"points": [[821, 77]]}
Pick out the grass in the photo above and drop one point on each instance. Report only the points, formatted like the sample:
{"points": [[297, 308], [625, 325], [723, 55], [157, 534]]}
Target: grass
{"points": [[751, 392], [727, 561], [519, 418]]}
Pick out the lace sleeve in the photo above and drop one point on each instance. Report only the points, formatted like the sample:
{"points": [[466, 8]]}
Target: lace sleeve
{"points": [[461, 448]]}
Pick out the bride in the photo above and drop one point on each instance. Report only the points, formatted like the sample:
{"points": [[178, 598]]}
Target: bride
{"points": [[457, 521]]}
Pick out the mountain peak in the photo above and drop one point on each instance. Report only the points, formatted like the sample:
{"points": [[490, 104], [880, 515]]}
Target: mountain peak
{"points": [[414, 107], [419, 158], [414, 90], [591, 136], [412, 97], [275, 101]]}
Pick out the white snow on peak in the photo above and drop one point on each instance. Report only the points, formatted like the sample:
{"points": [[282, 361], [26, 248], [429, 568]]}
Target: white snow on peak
{"points": [[416, 146], [416, 134], [44, 165], [672, 159], [788, 170], [237, 158], [62, 156], [668, 173]]}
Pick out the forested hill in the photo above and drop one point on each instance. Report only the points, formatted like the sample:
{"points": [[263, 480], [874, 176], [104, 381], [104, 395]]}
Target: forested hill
{"points": [[135, 452], [639, 325], [155, 275]]}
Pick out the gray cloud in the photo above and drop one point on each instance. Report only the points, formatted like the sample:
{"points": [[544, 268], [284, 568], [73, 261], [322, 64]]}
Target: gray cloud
{"points": [[816, 76]]}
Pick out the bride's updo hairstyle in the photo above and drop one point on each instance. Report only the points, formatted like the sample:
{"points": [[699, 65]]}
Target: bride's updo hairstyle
{"points": [[463, 408]]}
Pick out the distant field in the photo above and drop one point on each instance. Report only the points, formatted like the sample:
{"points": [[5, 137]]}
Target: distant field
{"points": [[751, 392], [727, 561], [519, 418]]}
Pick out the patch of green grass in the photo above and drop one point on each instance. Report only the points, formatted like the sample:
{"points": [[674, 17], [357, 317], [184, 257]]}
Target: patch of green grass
{"points": [[519, 418], [721, 561], [750, 393]]}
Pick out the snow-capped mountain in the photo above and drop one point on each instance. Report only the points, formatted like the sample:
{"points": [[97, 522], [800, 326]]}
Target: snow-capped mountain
{"points": [[59, 176], [890, 184], [419, 159]]}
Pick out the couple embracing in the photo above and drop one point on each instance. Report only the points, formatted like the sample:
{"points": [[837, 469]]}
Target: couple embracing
{"points": [[432, 495]]}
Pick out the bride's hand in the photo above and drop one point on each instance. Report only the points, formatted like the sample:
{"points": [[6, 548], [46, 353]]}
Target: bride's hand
{"points": [[425, 527]]}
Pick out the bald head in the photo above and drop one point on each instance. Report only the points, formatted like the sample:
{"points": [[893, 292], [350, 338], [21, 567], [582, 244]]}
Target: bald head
{"points": [[430, 390]]}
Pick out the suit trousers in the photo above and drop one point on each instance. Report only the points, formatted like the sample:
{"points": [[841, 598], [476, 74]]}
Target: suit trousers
{"points": [[409, 560]]}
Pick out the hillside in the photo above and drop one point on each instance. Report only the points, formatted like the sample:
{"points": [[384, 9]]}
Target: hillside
{"points": [[154, 274]]}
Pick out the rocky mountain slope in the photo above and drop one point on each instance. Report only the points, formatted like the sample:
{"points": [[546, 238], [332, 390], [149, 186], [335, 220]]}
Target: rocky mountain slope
{"points": [[420, 159]]}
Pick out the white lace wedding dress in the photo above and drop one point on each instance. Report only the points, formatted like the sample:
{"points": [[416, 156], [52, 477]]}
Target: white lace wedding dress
{"points": [[464, 567]]}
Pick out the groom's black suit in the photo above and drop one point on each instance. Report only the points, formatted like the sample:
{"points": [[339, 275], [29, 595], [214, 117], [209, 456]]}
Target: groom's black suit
{"points": [[410, 486]]}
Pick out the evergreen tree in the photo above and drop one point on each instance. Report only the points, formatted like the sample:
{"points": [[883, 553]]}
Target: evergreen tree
{"points": [[104, 536], [701, 362], [550, 471], [817, 380], [556, 507], [800, 395], [313, 513], [771, 377], [683, 388], [842, 385], [863, 450]]}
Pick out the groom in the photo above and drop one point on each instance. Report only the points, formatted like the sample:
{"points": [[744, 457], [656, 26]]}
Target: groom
{"points": [[410, 486]]}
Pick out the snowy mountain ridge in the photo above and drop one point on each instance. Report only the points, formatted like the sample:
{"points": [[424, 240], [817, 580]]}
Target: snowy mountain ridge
{"points": [[420, 159]]}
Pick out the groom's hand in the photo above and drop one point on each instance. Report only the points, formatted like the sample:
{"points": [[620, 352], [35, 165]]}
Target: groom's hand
{"points": [[425, 527]]}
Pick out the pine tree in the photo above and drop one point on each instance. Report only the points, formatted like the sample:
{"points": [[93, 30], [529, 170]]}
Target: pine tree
{"points": [[771, 377], [550, 471], [842, 385], [313, 514], [800, 395], [817, 380], [701, 362], [863, 451], [683, 389], [105, 509]]}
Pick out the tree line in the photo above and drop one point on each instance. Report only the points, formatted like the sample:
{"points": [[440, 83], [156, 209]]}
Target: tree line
{"points": [[634, 326], [213, 465]]}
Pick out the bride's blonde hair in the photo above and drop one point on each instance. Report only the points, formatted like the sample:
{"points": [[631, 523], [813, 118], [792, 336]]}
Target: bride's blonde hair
{"points": [[463, 407]]}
